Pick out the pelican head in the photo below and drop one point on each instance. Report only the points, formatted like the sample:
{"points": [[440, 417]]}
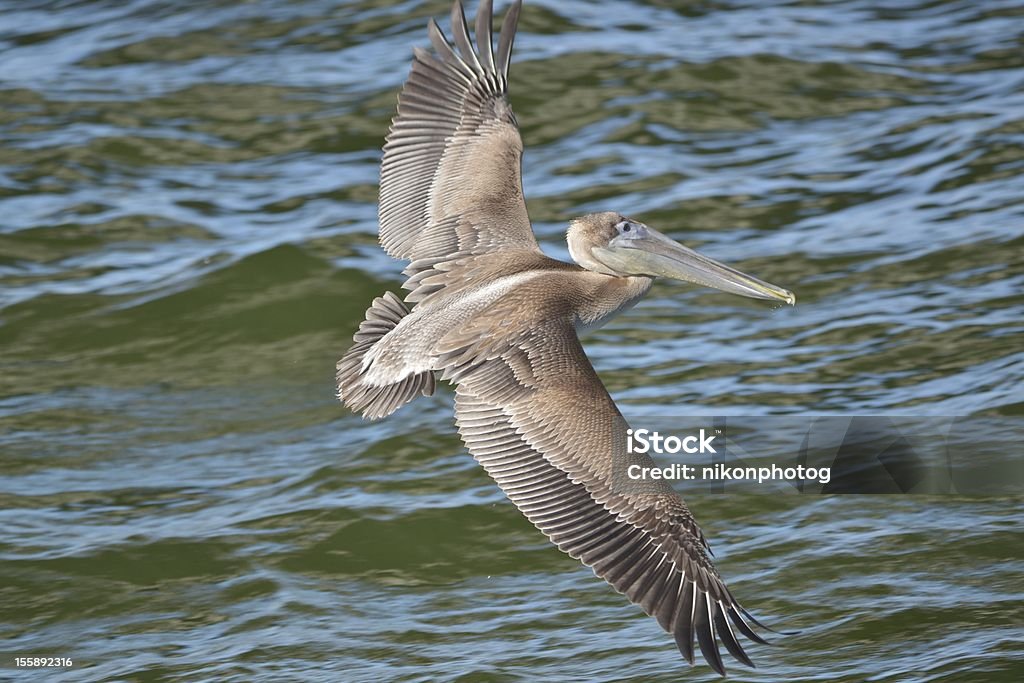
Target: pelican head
{"points": [[613, 244]]}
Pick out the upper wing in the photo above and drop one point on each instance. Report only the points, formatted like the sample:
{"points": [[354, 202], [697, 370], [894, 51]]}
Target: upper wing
{"points": [[539, 420], [450, 179]]}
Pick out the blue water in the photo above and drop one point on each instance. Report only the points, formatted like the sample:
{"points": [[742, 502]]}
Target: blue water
{"points": [[188, 241]]}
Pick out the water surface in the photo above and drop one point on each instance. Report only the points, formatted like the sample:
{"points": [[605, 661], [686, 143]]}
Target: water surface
{"points": [[188, 241]]}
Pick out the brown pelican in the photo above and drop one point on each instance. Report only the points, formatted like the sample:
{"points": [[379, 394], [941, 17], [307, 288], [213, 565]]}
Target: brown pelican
{"points": [[499, 319]]}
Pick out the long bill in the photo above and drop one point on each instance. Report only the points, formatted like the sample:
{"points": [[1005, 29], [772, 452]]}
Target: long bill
{"points": [[658, 255]]}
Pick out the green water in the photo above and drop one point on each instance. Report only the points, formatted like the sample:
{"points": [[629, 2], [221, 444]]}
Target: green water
{"points": [[188, 241]]}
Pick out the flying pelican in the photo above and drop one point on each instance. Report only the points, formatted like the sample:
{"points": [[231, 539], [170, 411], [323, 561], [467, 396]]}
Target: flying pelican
{"points": [[498, 319]]}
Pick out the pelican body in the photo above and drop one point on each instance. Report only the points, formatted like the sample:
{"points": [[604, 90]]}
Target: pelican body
{"points": [[487, 311]]}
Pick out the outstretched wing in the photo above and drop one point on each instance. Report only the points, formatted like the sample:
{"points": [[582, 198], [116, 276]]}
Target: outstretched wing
{"points": [[539, 420], [450, 179]]}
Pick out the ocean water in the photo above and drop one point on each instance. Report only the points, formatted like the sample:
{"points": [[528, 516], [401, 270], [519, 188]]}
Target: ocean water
{"points": [[188, 241]]}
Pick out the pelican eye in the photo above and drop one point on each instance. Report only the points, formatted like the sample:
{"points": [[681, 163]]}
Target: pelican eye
{"points": [[629, 229]]}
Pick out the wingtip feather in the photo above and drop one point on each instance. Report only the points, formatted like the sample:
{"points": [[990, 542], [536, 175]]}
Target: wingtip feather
{"points": [[725, 633], [460, 33], [485, 35], [705, 629], [508, 33]]}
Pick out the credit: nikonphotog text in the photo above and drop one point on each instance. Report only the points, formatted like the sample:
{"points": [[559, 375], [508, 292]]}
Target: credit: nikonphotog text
{"points": [[651, 442], [723, 472]]}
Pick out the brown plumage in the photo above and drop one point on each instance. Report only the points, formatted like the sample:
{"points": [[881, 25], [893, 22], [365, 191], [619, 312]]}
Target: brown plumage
{"points": [[499, 319]]}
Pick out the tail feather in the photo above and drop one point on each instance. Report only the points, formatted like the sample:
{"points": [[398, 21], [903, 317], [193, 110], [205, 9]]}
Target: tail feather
{"points": [[375, 401]]}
